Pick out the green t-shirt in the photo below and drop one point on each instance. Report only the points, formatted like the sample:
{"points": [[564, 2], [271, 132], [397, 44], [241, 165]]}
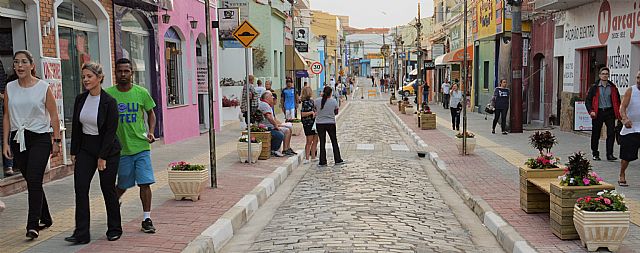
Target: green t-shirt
{"points": [[132, 131]]}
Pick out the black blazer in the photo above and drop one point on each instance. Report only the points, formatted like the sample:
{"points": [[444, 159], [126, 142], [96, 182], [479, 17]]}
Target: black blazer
{"points": [[107, 125]]}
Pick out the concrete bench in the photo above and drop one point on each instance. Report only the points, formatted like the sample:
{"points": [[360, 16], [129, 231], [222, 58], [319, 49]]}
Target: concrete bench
{"points": [[545, 194]]}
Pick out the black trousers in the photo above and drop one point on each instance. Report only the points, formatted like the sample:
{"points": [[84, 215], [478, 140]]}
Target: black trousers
{"points": [[445, 100], [500, 114], [323, 129], [455, 118], [85, 167], [32, 163], [607, 117]]}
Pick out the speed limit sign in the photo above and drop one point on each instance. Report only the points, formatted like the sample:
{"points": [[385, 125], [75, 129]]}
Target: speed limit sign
{"points": [[316, 68]]}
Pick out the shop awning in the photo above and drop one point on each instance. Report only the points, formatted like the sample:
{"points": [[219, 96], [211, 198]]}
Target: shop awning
{"points": [[300, 63], [439, 60], [458, 55], [302, 73]]}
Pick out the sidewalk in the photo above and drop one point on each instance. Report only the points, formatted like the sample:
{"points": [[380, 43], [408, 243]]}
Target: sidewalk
{"points": [[177, 222], [492, 174]]}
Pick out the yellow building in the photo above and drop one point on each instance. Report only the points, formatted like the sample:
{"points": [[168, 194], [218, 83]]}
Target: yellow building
{"points": [[325, 25]]}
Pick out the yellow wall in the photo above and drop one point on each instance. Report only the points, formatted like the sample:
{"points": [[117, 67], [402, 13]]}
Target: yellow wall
{"points": [[326, 24]]}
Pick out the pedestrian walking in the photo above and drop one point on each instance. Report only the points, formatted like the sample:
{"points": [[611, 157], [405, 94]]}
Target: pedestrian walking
{"points": [[603, 104], [630, 134], [326, 124], [500, 102], [455, 106], [445, 89], [289, 101], [94, 145], [30, 109], [135, 158], [308, 113]]}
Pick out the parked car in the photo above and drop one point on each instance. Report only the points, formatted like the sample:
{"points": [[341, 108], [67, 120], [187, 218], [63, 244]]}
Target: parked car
{"points": [[408, 89]]}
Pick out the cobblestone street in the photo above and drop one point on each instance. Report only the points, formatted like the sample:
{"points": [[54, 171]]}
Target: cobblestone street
{"points": [[381, 200]]}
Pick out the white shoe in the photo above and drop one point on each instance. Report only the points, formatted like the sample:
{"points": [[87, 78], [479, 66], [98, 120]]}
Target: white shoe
{"points": [[305, 161]]}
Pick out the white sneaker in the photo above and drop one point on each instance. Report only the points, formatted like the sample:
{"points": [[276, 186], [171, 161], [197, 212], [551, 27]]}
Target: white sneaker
{"points": [[305, 161], [277, 154]]}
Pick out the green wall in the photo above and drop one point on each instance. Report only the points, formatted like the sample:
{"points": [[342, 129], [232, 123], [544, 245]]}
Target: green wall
{"points": [[486, 53]]}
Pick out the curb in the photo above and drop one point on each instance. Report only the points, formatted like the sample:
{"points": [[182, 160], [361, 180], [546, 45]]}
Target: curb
{"points": [[510, 240], [214, 238]]}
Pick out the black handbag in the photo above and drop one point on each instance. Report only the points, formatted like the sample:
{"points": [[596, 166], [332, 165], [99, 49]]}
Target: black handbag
{"points": [[489, 109]]}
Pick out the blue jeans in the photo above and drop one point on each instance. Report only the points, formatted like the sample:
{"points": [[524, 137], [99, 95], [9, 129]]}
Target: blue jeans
{"points": [[276, 139], [8, 163]]}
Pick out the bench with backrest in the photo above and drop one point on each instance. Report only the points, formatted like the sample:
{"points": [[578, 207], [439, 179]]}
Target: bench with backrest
{"points": [[543, 193]]}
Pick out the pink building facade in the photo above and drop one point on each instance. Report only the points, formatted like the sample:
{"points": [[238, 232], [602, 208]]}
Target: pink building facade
{"points": [[183, 65]]}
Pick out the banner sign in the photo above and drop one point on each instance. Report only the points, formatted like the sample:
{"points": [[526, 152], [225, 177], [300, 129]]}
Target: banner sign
{"points": [[581, 118], [302, 39], [229, 19], [52, 74]]}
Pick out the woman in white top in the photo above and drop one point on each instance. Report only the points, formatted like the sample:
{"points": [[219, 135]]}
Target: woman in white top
{"points": [[94, 146], [30, 109], [455, 99], [630, 133]]}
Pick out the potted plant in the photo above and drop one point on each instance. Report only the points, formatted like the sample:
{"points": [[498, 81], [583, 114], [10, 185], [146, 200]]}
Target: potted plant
{"points": [[262, 134], [578, 172], [243, 149], [187, 180], [297, 126], [602, 220], [471, 142]]}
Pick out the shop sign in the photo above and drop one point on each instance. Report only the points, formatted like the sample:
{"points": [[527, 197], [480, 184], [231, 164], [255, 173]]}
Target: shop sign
{"points": [[202, 75], [229, 19], [302, 39], [581, 118], [456, 38], [52, 74], [486, 17]]}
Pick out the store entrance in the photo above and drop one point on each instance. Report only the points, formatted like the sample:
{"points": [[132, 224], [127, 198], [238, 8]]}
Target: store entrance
{"points": [[591, 60]]}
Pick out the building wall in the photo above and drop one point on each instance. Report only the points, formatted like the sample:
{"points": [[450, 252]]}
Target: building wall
{"points": [[486, 53], [542, 53], [181, 122]]}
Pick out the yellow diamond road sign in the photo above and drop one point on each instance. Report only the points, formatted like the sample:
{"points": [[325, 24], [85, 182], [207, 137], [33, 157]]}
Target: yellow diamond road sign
{"points": [[246, 34]]}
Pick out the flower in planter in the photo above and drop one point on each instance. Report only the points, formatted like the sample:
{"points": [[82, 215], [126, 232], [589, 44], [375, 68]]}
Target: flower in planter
{"points": [[578, 172], [544, 161], [244, 138], [468, 134], [605, 201], [259, 128], [185, 166], [543, 141], [233, 102]]}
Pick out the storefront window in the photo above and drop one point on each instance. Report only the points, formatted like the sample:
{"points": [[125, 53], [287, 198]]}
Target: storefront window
{"points": [[135, 46], [12, 4], [79, 44], [173, 64]]}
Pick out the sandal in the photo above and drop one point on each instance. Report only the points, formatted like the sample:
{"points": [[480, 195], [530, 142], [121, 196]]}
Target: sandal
{"points": [[623, 183]]}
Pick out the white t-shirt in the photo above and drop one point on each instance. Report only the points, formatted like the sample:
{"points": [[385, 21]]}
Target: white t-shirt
{"points": [[27, 110], [89, 115], [446, 87]]}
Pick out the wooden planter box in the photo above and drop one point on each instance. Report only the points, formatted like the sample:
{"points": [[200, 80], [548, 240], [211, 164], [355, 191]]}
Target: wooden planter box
{"points": [[563, 200], [532, 199], [601, 229], [265, 138], [471, 145], [187, 184], [427, 121]]}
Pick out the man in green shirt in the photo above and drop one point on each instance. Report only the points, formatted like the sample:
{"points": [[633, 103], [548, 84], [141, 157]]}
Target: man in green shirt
{"points": [[135, 157]]}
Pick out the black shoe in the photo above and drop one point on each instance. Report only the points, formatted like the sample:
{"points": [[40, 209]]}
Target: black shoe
{"points": [[291, 151], [454, 128], [112, 238], [341, 162], [322, 165], [44, 225], [596, 158], [611, 158], [76, 240], [493, 131], [32, 234], [505, 132], [147, 226]]}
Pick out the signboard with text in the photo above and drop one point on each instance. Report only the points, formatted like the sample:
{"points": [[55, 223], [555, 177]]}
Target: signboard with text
{"points": [[52, 74], [581, 118], [302, 39]]}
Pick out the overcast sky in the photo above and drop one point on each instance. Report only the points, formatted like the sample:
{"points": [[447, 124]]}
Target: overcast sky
{"points": [[375, 13]]}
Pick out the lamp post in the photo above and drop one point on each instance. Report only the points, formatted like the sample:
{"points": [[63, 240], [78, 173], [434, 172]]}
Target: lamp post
{"points": [[212, 132], [464, 83]]}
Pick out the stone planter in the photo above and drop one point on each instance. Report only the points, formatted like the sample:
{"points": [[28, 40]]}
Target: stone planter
{"points": [[532, 199], [409, 110], [471, 145], [601, 229], [297, 129], [230, 113], [187, 184], [563, 199], [243, 151]]}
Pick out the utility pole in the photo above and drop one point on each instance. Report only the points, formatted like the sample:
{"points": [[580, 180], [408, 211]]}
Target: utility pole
{"points": [[464, 83], [212, 131], [293, 47], [419, 81], [324, 60], [516, 66], [396, 62]]}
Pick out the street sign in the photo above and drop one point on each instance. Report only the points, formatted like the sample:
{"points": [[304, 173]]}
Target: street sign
{"points": [[316, 68], [302, 39], [246, 34]]}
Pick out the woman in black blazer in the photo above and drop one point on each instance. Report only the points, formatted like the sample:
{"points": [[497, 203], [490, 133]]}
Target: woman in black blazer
{"points": [[94, 145]]}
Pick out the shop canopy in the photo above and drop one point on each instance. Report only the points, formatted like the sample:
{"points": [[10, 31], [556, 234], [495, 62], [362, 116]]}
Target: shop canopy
{"points": [[292, 54], [458, 55], [439, 60]]}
